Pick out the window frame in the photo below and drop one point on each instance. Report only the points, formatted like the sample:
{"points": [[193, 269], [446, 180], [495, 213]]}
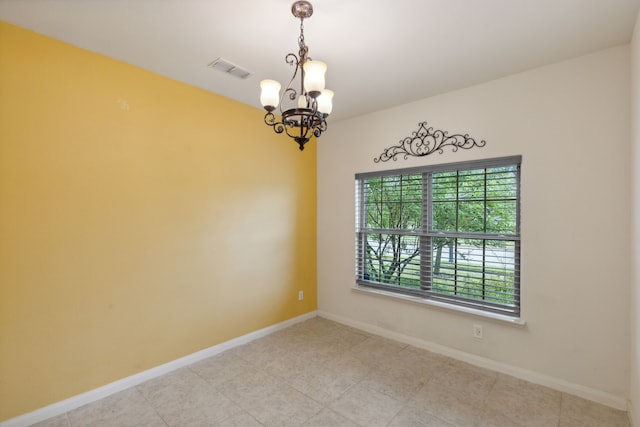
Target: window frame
{"points": [[426, 234]]}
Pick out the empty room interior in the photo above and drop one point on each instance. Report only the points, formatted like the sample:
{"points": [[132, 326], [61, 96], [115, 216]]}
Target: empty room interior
{"points": [[429, 217]]}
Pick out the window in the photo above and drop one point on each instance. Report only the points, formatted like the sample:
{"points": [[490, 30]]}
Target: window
{"points": [[448, 233]]}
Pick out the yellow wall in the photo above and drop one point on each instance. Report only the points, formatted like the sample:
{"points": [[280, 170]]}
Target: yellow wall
{"points": [[141, 220]]}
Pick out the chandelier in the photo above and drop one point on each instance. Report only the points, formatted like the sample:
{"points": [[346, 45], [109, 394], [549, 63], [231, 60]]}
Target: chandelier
{"points": [[311, 104]]}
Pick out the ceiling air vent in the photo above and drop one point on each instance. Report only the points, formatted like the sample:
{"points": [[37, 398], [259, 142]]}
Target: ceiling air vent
{"points": [[225, 66]]}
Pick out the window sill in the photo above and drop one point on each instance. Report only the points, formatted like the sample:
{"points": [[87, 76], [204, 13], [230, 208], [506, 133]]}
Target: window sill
{"points": [[514, 321]]}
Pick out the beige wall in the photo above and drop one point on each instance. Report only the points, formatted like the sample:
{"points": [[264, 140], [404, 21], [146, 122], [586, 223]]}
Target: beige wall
{"points": [[570, 122], [635, 243], [141, 220]]}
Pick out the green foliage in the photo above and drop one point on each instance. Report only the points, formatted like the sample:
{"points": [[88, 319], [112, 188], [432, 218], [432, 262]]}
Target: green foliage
{"points": [[392, 203], [475, 201], [479, 201]]}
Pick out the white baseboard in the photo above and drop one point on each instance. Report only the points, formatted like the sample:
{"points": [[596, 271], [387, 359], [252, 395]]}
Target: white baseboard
{"points": [[534, 377], [633, 420], [125, 383]]}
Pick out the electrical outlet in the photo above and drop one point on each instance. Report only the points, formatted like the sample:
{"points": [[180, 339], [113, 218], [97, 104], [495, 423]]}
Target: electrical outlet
{"points": [[300, 295], [477, 331]]}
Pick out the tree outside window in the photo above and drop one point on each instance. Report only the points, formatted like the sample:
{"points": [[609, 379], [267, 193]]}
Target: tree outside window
{"points": [[449, 232]]}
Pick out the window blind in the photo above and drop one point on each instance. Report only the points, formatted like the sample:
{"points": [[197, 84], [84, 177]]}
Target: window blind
{"points": [[447, 232]]}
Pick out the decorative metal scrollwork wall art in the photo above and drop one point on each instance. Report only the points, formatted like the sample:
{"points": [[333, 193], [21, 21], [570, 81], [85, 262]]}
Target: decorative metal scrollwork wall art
{"points": [[426, 141]]}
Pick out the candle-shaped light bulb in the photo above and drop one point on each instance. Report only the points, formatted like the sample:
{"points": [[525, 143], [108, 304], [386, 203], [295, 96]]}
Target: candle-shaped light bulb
{"points": [[302, 101]]}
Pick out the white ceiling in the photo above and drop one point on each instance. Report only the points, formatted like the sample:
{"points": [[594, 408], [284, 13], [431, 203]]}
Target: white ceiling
{"points": [[380, 53]]}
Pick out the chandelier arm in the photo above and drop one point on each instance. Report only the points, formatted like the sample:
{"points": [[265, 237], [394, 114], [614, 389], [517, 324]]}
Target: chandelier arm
{"points": [[321, 127], [291, 59], [270, 120]]}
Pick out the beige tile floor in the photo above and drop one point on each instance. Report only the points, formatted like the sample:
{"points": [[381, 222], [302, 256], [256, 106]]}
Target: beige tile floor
{"points": [[321, 373]]}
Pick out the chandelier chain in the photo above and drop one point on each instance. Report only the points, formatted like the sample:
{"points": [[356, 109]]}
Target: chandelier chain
{"points": [[304, 49]]}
